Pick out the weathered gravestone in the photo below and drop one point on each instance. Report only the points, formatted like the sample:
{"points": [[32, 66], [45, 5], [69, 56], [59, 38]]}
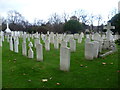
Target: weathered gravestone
{"points": [[16, 45], [72, 45], [36, 40], [8, 38], [0, 39], [47, 45], [109, 36], [39, 52], [51, 37], [97, 37], [87, 40], [64, 43], [56, 43], [64, 58], [96, 48], [30, 51], [89, 50], [11, 43], [24, 49], [80, 38]]}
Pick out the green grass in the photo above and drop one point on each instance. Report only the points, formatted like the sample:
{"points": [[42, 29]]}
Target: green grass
{"points": [[92, 75]]}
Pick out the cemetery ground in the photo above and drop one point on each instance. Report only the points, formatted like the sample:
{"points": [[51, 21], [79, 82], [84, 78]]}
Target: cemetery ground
{"points": [[19, 71]]}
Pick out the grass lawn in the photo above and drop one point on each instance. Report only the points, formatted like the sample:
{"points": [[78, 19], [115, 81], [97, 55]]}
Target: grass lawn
{"points": [[20, 72]]}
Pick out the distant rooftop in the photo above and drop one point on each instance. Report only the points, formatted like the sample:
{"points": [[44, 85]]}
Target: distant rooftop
{"points": [[74, 18]]}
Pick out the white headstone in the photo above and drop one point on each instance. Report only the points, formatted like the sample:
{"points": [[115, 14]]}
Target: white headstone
{"points": [[52, 37], [97, 37], [63, 43], [82, 34], [76, 36], [30, 51], [100, 46], [36, 41], [24, 37], [109, 33], [16, 45], [28, 38], [56, 43], [0, 41], [103, 36], [11, 44], [106, 44], [96, 48], [80, 38], [72, 45], [24, 49], [87, 40], [47, 45], [87, 36], [17, 40], [1, 35], [89, 50], [39, 52], [8, 38], [64, 59]]}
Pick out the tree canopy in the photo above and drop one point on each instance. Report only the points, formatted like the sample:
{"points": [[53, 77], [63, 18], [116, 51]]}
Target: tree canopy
{"points": [[116, 22], [73, 26]]}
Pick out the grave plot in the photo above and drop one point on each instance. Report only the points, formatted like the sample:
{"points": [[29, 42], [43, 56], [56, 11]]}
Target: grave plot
{"points": [[59, 67]]}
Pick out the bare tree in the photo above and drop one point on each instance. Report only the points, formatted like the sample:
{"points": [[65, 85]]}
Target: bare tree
{"points": [[54, 19], [82, 15], [91, 19], [15, 17], [99, 19], [3, 20], [112, 13], [38, 22], [55, 22], [65, 17]]}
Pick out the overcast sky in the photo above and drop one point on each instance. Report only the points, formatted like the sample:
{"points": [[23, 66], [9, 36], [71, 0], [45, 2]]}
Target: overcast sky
{"points": [[42, 9]]}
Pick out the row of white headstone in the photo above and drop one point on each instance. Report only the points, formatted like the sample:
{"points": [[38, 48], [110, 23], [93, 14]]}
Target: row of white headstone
{"points": [[63, 41], [92, 48]]}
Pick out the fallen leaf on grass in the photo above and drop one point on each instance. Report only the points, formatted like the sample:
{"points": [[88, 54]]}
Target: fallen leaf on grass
{"points": [[29, 80], [57, 83], [81, 65], [54, 55], [118, 70], [103, 57], [103, 63], [24, 74], [111, 63], [14, 59], [44, 80], [50, 78]]}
